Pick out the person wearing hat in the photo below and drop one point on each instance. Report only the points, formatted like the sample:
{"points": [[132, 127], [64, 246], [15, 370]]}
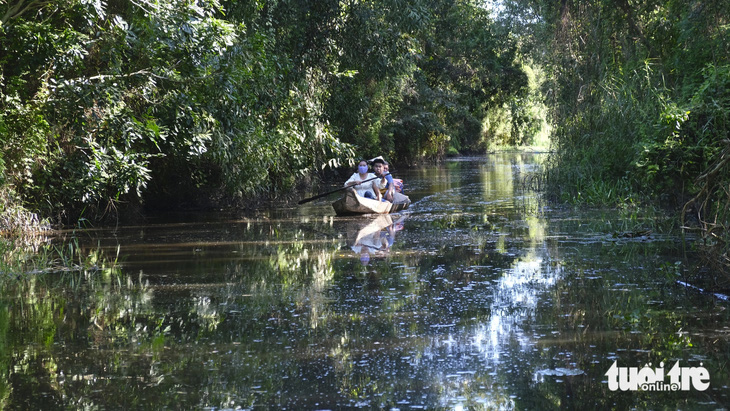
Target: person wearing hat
{"points": [[385, 184]]}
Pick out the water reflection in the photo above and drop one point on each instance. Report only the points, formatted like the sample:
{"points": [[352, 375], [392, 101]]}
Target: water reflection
{"points": [[480, 297], [374, 238]]}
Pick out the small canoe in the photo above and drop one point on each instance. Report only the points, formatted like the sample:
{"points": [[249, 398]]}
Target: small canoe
{"points": [[352, 204]]}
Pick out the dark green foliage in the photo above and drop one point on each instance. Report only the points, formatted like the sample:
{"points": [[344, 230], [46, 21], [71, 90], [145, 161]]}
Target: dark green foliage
{"points": [[640, 100], [109, 106], [467, 69]]}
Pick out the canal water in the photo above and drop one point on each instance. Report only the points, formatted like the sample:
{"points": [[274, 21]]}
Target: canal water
{"points": [[481, 296]]}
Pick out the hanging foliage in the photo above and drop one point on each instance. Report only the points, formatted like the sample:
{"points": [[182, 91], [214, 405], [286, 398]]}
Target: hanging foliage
{"points": [[110, 106]]}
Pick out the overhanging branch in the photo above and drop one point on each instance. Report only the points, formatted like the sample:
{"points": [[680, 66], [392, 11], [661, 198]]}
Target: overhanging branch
{"points": [[21, 7]]}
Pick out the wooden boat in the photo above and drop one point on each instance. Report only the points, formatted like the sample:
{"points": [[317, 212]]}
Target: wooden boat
{"points": [[353, 204]]}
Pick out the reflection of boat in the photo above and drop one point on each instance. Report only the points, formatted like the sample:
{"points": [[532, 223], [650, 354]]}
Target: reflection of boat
{"points": [[375, 238], [351, 203], [375, 226]]}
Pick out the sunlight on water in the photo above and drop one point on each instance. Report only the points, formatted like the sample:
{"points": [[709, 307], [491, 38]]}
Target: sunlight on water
{"points": [[479, 296]]}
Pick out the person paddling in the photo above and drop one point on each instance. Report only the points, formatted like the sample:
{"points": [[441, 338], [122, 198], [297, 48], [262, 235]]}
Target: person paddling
{"points": [[367, 190]]}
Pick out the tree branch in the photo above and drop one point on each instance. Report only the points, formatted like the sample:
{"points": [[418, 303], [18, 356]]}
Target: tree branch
{"points": [[17, 10]]}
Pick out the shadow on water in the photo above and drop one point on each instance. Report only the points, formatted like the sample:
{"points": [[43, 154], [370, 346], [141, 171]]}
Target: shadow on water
{"points": [[480, 296]]}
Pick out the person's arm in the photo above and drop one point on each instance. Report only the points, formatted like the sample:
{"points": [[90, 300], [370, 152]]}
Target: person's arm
{"points": [[376, 190], [389, 194], [351, 181]]}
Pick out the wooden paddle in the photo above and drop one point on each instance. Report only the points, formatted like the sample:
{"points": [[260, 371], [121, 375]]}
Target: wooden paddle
{"points": [[306, 200]]}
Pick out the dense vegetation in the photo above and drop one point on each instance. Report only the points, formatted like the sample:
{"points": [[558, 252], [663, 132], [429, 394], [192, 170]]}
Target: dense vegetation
{"points": [[109, 106], [639, 92]]}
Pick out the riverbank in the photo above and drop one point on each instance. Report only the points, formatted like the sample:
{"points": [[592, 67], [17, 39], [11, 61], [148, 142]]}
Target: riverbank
{"points": [[27, 238], [29, 245]]}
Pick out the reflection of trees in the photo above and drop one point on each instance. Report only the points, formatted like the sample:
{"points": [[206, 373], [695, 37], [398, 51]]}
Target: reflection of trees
{"points": [[614, 302], [245, 314], [92, 307], [470, 308], [422, 311]]}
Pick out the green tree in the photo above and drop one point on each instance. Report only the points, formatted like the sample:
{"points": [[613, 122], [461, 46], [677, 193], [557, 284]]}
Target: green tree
{"points": [[110, 106], [639, 98]]}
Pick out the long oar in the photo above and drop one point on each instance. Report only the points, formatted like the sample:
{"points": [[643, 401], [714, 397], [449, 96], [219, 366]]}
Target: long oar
{"points": [[306, 200]]}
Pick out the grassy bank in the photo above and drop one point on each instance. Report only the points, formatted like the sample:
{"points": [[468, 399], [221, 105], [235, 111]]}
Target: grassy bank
{"points": [[639, 96], [30, 246]]}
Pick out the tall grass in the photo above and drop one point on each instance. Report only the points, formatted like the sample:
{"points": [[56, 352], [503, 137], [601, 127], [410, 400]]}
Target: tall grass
{"points": [[633, 141], [595, 161], [27, 246]]}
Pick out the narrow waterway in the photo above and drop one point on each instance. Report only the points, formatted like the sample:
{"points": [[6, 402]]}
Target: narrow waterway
{"points": [[480, 296]]}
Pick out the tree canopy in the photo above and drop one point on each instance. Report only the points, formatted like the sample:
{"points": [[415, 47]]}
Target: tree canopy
{"points": [[112, 105], [109, 106]]}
